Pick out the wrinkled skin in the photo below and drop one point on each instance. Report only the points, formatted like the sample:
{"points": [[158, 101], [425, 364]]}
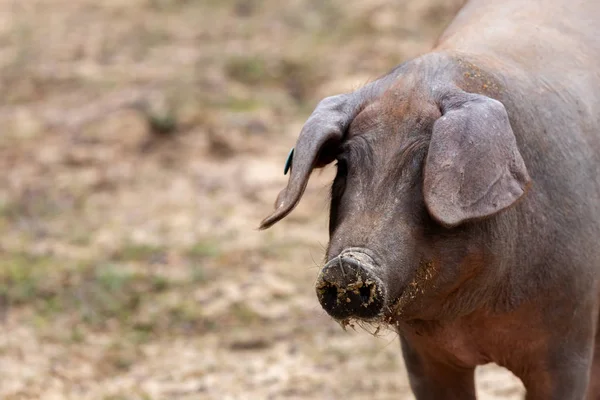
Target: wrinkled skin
{"points": [[466, 206]]}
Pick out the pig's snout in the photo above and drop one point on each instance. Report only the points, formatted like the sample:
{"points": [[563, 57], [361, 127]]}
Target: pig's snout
{"points": [[349, 287]]}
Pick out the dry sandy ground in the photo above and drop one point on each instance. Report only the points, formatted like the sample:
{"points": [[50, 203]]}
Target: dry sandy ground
{"points": [[142, 142]]}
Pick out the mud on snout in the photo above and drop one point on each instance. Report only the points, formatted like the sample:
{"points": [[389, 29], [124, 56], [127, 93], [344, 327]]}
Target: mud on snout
{"points": [[350, 286]]}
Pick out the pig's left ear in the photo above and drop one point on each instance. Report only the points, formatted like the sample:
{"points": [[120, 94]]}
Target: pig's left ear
{"points": [[473, 167], [316, 147]]}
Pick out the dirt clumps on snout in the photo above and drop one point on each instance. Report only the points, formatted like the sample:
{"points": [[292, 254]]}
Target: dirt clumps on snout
{"points": [[347, 287]]}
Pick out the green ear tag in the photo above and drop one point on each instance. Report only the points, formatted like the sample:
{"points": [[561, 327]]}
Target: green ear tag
{"points": [[288, 161]]}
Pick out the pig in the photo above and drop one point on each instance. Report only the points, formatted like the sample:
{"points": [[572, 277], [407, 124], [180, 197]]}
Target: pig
{"points": [[465, 212]]}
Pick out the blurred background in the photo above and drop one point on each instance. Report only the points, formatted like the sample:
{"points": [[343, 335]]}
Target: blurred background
{"points": [[141, 143]]}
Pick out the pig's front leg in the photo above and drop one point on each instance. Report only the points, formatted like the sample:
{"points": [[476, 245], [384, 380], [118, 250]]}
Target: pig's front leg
{"points": [[561, 375], [433, 380], [557, 366]]}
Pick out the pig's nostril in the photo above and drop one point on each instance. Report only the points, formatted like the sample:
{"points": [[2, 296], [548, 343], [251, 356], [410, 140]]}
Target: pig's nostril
{"points": [[348, 287], [365, 294], [330, 294]]}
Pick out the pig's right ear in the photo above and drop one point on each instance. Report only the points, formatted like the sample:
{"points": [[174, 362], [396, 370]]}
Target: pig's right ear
{"points": [[316, 147]]}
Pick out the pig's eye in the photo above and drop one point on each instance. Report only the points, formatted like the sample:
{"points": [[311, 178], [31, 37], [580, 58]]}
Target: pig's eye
{"points": [[339, 184], [342, 167]]}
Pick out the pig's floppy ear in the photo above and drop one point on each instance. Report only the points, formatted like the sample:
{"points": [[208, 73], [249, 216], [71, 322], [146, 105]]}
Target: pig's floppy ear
{"points": [[316, 147], [473, 167]]}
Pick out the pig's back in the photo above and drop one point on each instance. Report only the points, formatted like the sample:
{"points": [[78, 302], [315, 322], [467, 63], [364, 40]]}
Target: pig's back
{"points": [[541, 35]]}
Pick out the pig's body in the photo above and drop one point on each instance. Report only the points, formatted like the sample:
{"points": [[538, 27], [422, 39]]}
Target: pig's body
{"points": [[478, 249]]}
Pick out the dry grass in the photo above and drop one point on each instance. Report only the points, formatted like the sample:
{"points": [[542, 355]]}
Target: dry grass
{"points": [[142, 142]]}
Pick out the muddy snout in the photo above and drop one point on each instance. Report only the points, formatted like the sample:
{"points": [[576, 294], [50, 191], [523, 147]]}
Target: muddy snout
{"points": [[348, 287]]}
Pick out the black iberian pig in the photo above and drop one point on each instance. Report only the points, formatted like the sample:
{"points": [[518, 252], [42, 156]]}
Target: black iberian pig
{"points": [[466, 207]]}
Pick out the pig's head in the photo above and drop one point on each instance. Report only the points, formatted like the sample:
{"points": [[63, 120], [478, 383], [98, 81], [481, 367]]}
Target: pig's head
{"points": [[415, 173]]}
